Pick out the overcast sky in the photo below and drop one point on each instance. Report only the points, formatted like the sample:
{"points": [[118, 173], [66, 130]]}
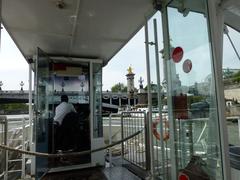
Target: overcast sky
{"points": [[14, 69]]}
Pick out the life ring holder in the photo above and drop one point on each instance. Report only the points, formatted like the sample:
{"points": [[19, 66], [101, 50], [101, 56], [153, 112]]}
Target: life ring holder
{"points": [[156, 133]]}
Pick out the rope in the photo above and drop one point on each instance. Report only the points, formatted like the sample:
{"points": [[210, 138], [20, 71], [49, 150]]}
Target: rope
{"points": [[68, 154]]}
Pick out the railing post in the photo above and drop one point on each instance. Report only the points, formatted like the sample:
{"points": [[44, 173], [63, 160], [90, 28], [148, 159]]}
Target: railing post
{"points": [[110, 139], [147, 146], [6, 144], [122, 135], [23, 148]]}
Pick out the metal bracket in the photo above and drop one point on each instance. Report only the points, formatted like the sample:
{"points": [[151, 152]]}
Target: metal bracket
{"points": [[158, 4], [182, 9]]}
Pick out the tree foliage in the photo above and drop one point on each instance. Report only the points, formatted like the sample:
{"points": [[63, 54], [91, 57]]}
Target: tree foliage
{"points": [[14, 106], [154, 87], [120, 87]]}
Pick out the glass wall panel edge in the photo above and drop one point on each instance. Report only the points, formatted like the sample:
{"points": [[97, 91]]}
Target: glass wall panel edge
{"points": [[216, 24], [166, 42]]}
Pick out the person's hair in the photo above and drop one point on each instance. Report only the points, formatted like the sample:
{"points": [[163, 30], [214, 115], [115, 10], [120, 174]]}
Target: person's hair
{"points": [[64, 98]]}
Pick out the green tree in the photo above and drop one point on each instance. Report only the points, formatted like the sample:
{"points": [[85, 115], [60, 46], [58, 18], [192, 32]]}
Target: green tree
{"points": [[120, 87], [154, 87]]}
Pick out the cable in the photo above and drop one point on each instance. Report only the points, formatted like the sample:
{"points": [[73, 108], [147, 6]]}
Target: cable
{"points": [[234, 48], [31, 153]]}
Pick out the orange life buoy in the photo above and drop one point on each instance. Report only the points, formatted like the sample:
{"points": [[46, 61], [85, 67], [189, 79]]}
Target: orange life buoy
{"points": [[156, 133]]}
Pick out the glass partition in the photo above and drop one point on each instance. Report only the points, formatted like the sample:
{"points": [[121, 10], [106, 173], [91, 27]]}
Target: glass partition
{"points": [[97, 100], [53, 80], [191, 91], [44, 112], [231, 81]]}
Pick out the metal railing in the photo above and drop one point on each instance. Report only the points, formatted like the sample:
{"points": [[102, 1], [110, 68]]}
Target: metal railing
{"points": [[135, 150], [16, 138], [161, 144], [3, 153]]}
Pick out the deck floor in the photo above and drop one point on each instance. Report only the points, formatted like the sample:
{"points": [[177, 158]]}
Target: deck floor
{"points": [[114, 173]]}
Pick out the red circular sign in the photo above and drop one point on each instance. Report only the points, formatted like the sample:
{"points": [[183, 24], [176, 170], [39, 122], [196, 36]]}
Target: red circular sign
{"points": [[187, 66], [177, 54]]}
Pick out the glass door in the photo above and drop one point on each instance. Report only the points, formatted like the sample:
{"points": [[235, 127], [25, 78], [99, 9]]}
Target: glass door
{"points": [[192, 104], [43, 109]]}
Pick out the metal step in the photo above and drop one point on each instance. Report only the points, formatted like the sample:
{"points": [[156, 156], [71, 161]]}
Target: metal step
{"points": [[14, 160], [14, 171]]}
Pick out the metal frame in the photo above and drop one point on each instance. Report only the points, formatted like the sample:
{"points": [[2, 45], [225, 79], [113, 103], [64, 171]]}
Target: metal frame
{"points": [[216, 26], [91, 105], [166, 41], [30, 109], [91, 102], [133, 160], [159, 95]]}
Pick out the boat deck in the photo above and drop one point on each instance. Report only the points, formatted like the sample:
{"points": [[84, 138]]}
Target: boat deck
{"points": [[114, 173]]}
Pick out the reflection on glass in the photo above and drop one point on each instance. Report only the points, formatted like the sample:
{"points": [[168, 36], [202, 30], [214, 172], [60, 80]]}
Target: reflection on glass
{"points": [[195, 116], [52, 81], [231, 77], [97, 104]]}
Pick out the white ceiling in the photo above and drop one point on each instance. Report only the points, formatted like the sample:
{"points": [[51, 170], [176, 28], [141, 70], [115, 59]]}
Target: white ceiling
{"points": [[83, 28], [232, 13]]}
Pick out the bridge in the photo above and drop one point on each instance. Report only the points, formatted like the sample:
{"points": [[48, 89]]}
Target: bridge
{"points": [[110, 101]]}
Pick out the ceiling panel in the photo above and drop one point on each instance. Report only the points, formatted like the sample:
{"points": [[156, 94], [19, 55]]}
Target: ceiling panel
{"points": [[232, 14], [83, 28]]}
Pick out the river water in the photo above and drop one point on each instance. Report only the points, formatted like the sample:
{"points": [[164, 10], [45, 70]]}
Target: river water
{"points": [[15, 121]]}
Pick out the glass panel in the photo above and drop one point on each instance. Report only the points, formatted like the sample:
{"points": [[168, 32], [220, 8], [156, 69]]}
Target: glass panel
{"points": [[97, 100], [231, 80], [160, 129], [72, 134], [44, 112], [191, 79]]}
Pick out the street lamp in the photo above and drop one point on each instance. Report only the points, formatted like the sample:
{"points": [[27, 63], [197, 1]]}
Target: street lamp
{"points": [[82, 80], [21, 84], [1, 83], [63, 84]]}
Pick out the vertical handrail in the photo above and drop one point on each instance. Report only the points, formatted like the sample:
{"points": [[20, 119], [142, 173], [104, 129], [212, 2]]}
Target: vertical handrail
{"points": [[149, 99], [159, 96]]}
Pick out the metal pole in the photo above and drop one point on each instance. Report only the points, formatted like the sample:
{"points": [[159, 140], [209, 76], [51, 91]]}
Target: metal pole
{"points": [[159, 95], [234, 48], [6, 151], [149, 122], [110, 139], [166, 41], [23, 148]]}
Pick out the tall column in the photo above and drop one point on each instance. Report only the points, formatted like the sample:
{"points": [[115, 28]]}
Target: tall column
{"points": [[130, 82]]}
